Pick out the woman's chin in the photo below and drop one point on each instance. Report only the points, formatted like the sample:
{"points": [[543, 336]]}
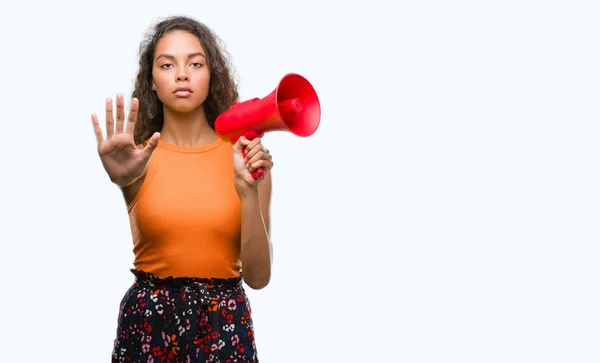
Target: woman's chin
{"points": [[184, 106]]}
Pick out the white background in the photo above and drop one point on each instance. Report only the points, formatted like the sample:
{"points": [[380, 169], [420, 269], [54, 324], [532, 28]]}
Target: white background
{"points": [[445, 211]]}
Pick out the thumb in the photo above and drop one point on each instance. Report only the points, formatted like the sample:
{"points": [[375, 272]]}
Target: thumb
{"points": [[152, 144], [240, 144]]}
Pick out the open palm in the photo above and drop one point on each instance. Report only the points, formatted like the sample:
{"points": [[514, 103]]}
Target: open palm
{"points": [[123, 161]]}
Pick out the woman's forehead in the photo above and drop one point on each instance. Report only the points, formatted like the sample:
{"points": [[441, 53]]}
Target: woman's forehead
{"points": [[179, 42]]}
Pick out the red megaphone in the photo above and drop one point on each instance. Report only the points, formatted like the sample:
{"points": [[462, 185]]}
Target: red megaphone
{"points": [[293, 106]]}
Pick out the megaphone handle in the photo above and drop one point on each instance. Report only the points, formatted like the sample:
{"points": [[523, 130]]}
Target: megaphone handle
{"points": [[256, 173]]}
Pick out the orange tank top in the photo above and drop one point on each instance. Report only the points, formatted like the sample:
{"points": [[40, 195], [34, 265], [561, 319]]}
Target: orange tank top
{"points": [[186, 218]]}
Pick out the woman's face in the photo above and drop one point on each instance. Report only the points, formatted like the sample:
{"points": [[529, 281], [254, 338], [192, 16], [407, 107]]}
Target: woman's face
{"points": [[180, 74]]}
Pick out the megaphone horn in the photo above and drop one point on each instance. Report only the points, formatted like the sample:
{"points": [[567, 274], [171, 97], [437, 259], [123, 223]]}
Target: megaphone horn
{"points": [[293, 106]]}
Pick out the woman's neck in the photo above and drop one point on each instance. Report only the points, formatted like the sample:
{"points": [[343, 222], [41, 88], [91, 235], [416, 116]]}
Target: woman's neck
{"points": [[187, 129]]}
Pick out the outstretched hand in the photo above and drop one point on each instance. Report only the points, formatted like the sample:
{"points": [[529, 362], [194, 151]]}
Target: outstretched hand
{"points": [[123, 161], [257, 156]]}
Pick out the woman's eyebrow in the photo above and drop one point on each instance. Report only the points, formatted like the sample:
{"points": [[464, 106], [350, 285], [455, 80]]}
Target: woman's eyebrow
{"points": [[191, 55]]}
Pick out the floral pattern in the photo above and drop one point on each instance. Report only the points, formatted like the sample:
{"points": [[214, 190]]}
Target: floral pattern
{"points": [[184, 319]]}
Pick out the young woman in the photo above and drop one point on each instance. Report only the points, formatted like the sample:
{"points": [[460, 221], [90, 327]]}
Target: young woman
{"points": [[198, 218]]}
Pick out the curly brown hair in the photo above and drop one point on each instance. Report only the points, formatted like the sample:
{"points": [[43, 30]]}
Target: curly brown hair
{"points": [[222, 93]]}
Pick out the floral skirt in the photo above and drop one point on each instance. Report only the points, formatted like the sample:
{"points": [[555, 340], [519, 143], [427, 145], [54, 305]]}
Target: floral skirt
{"points": [[184, 319]]}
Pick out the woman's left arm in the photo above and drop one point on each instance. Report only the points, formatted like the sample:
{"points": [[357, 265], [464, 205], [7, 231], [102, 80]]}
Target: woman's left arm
{"points": [[257, 250]]}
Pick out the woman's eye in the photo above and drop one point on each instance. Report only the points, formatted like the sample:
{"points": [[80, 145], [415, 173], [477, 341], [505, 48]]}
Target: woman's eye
{"points": [[166, 65], [197, 64]]}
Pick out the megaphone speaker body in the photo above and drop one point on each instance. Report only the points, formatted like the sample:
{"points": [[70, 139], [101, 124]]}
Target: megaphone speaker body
{"points": [[292, 107]]}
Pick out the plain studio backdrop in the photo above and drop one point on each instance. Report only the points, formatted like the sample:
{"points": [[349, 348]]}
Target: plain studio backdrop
{"points": [[446, 210]]}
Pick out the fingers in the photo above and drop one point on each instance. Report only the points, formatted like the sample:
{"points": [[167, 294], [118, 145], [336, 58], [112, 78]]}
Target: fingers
{"points": [[131, 120], [110, 122], [261, 155], [120, 113], [258, 156], [254, 148], [97, 130], [262, 163], [133, 112]]}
